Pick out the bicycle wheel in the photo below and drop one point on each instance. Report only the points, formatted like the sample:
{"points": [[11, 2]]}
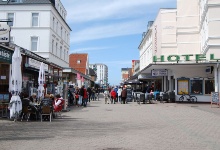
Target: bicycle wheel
{"points": [[181, 99], [193, 99]]}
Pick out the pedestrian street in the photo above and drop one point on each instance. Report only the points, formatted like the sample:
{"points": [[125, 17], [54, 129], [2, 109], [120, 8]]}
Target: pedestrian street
{"points": [[100, 126]]}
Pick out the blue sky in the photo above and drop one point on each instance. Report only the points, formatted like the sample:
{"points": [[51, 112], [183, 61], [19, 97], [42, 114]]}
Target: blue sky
{"points": [[110, 31]]}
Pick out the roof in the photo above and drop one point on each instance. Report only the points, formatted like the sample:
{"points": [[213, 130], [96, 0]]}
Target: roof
{"points": [[28, 2]]}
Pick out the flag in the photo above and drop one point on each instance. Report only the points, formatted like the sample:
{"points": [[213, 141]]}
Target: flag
{"points": [[78, 76]]}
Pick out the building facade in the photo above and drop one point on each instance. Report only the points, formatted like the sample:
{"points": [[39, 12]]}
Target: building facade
{"points": [[101, 71], [185, 49], [44, 30]]}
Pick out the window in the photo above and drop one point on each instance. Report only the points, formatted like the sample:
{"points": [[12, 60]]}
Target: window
{"points": [[60, 52], [52, 46], [64, 54], [61, 32], [11, 18], [209, 86], [57, 49], [35, 19], [196, 87], [34, 42], [53, 23], [78, 61], [57, 27]]}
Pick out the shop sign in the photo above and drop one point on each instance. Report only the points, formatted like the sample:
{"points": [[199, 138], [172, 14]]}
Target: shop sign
{"points": [[159, 72], [185, 57], [146, 76], [4, 33], [36, 64], [5, 55]]}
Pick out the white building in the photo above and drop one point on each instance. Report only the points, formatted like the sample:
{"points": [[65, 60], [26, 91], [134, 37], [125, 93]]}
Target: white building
{"points": [[101, 72], [39, 26], [185, 53]]}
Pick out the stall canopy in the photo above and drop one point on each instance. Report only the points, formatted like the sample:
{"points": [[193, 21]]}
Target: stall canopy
{"points": [[135, 81]]}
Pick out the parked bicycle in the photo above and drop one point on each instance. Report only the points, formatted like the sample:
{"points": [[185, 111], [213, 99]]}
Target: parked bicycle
{"points": [[187, 97]]}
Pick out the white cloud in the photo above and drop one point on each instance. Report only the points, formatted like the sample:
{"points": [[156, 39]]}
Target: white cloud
{"points": [[86, 49], [109, 30], [111, 17], [87, 10]]}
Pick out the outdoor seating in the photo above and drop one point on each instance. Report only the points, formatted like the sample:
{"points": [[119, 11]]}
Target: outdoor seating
{"points": [[46, 111], [26, 111], [58, 109]]}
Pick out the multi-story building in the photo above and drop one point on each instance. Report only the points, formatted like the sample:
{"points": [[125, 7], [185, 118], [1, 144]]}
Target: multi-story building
{"points": [[39, 26], [79, 62], [185, 49], [126, 73], [101, 72]]}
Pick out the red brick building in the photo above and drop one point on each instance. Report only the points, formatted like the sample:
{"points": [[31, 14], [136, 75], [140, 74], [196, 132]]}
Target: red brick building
{"points": [[79, 62]]}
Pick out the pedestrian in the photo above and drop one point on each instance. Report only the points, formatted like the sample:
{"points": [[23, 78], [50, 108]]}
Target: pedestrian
{"points": [[93, 94], [89, 90], [119, 94], [106, 96], [76, 93], [81, 94], [124, 95], [85, 98], [113, 96], [97, 94]]}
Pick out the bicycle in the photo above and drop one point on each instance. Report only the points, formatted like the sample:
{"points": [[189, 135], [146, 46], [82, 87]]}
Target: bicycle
{"points": [[188, 97]]}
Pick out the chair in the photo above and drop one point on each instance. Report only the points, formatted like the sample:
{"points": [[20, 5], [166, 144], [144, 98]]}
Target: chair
{"points": [[46, 111], [59, 108], [26, 111]]}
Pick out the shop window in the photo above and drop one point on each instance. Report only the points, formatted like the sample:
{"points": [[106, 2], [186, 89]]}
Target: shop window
{"points": [[182, 86], [35, 19], [11, 18], [209, 86], [196, 87]]}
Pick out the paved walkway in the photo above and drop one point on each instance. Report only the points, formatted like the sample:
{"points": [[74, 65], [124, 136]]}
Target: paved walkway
{"points": [[131, 126]]}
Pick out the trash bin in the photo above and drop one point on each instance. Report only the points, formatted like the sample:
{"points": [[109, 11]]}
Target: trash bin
{"points": [[142, 98], [172, 97]]}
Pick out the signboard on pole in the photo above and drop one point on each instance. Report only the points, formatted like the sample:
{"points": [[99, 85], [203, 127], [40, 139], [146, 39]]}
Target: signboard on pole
{"points": [[4, 32]]}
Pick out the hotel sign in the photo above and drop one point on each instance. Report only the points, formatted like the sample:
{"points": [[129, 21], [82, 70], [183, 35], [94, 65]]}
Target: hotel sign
{"points": [[4, 33], [185, 57]]}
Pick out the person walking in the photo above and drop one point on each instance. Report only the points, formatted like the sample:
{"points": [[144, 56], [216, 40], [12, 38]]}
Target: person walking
{"points": [[89, 90], [124, 95], [106, 96], [81, 94], [113, 96], [85, 98], [76, 93], [119, 94]]}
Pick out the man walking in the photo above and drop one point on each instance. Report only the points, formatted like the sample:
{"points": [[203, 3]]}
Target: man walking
{"points": [[124, 95]]}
